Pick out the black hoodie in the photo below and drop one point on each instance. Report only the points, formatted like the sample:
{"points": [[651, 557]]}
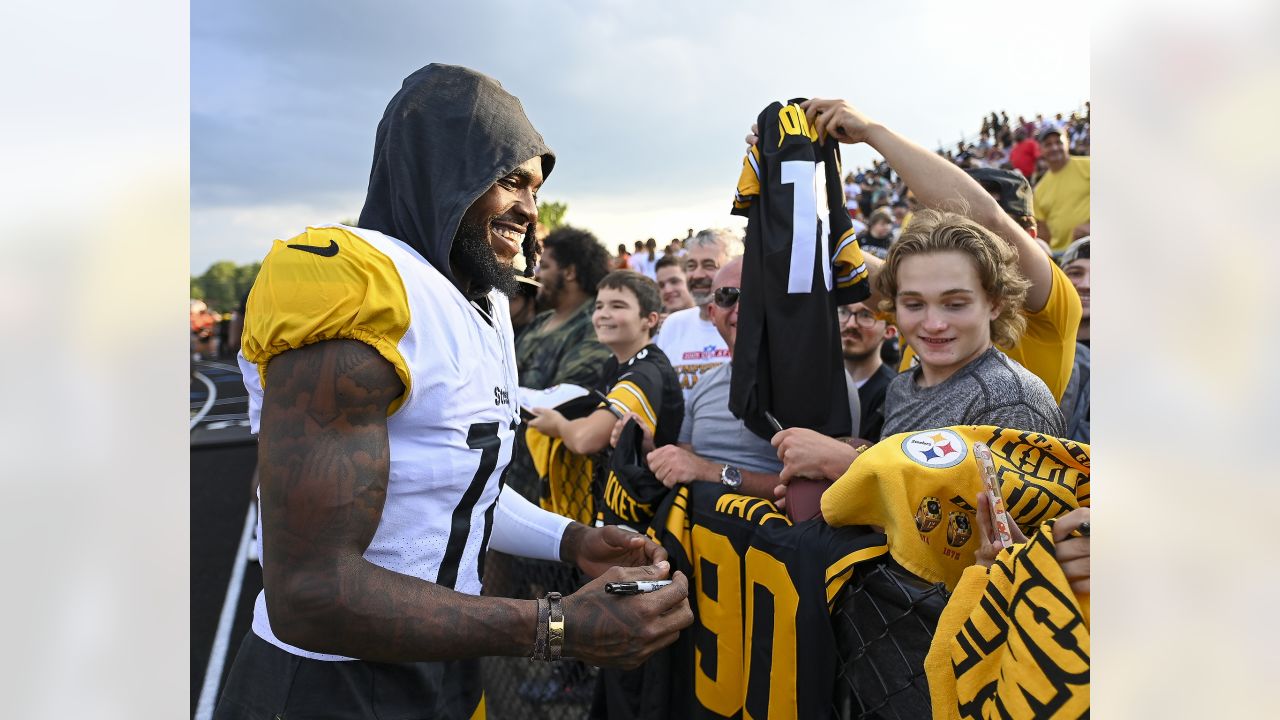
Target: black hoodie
{"points": [[446, 137]]}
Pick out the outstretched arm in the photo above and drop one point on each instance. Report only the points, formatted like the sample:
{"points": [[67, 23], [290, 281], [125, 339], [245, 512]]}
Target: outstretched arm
{"points": [[935, 182], [324, 462], [676, 464], [584, 436]]}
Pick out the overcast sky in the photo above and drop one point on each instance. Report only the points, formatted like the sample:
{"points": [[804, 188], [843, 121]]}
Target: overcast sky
{"points": [[644, 103]]}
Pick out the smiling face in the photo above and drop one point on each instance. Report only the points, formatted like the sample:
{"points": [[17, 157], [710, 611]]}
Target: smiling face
{"points": [[674, 289], [726, 319], [619, 322], [489, 236], [943, 312], [700, 266], [508, 208], [1053, 151]]}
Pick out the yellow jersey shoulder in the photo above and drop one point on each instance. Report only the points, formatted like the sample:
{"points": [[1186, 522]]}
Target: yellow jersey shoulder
{"points": [[326, 283]]}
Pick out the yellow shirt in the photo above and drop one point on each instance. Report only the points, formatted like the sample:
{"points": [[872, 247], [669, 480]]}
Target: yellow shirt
{"points": [[1062, 201], [1048, 346]]}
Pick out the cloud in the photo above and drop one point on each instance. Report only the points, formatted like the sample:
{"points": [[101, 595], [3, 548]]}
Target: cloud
{"points": [[638, 104]]}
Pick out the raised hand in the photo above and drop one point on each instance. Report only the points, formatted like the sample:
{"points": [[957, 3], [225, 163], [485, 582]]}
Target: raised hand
{"points": [[838, 119]]}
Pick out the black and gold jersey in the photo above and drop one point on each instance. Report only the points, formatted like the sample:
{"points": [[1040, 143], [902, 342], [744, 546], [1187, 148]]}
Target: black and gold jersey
{"points": [[625, 492], [646, 385], [761, 588], [800, 262]]}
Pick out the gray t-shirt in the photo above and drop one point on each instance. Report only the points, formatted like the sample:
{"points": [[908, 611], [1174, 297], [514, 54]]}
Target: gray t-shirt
{"points": [[990, 390], [719, 436]]}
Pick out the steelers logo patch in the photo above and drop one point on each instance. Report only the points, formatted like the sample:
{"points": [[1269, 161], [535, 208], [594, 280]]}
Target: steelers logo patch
{"points": [[935, 448]]}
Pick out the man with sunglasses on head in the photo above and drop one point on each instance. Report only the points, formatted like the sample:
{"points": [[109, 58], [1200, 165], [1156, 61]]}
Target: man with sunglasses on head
{"points": [[713, 445]]}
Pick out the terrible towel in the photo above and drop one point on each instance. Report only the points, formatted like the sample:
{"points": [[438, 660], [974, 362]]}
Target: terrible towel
{"points": [[1014, 641]]}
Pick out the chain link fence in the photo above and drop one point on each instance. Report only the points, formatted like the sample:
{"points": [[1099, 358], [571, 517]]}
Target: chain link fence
{"points": [[884, 620], [519, 688]]}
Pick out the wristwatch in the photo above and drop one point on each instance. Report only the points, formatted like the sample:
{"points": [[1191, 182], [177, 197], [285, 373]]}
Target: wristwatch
{"points": [[730, 477]]}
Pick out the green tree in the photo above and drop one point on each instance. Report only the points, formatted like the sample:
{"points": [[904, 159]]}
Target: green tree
{"points": [[551, 214], [224, 284], [245, 275]]}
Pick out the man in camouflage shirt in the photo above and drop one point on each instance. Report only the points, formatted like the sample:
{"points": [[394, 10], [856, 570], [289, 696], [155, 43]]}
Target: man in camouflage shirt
{"points": [[560, 345]]}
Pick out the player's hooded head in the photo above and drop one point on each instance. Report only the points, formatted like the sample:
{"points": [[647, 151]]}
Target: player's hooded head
{"points": [[456, 168]]}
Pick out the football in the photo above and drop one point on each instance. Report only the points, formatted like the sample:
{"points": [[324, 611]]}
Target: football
{"points": [[804, 498]]}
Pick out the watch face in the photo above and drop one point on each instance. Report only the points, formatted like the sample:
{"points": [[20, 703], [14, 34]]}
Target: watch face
{"points": [[731, 476]]}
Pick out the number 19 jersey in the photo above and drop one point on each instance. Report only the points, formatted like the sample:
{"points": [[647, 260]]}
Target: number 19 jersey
{"points": [[450, 433]]}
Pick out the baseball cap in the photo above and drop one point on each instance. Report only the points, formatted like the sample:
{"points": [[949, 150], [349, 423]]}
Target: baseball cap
{"points": [[1012, 190], [1050, 130], [1078, 250]]}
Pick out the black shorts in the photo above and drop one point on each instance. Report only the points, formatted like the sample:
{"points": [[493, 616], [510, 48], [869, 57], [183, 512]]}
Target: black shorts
{"points": [[267, 683]]}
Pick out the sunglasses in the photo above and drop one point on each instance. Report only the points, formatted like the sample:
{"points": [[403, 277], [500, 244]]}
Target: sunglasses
{"points": [[726, 297]]}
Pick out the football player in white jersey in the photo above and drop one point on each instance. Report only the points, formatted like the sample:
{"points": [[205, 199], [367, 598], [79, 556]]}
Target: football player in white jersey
{"points": [[383, 359]]}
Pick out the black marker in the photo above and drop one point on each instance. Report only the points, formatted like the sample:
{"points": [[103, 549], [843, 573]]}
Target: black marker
{"points": [[635, 588], [777, 426]]}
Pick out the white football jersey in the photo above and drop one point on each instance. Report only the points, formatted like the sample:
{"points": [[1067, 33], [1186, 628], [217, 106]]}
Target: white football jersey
{"points": [[450, 434]]}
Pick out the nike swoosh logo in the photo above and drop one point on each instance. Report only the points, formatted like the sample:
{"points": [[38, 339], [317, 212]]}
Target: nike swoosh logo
{"points": [[321, 251]]}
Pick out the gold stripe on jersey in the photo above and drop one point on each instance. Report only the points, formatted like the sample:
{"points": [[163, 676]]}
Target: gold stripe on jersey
{"points": [[839, 572], [748, 181], [627, 396], [677, 518], [349, 291], [850, 267]]}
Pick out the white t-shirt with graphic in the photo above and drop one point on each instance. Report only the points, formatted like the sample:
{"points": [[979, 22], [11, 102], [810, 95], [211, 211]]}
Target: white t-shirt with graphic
{"points": [[693, 346]]}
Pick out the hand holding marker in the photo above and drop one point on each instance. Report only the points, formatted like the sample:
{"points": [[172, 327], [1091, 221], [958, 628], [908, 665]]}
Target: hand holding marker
{"points": [[635, 588]]}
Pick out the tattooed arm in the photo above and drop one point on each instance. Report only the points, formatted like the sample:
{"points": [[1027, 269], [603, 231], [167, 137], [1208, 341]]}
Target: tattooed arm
{"points": [[324, 464]]}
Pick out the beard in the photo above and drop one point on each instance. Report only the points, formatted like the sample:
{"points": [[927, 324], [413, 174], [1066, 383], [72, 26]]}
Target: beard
{"points": [[857, 357], [472, 257]]}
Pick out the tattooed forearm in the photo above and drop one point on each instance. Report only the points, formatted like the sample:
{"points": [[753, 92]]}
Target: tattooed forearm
{"points": [[324, 461]]}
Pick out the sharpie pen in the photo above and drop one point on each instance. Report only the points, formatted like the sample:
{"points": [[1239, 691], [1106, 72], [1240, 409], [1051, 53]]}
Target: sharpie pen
{"points": [[635, 588]]}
